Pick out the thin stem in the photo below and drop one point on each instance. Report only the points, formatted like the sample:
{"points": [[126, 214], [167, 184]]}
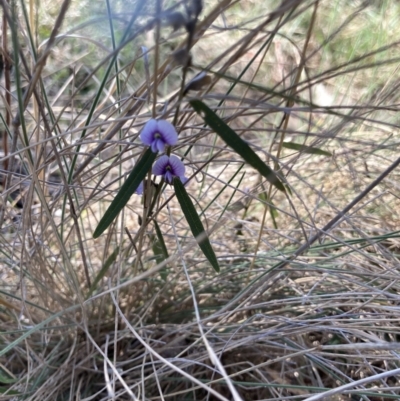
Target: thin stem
{"points": [[156, 55]]}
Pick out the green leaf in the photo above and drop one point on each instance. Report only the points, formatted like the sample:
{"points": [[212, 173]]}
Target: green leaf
{"points": [[4, 379], [162, 252], [305, 149], [4, 390], [263, 196], [127, 190], [159, 255], [195, 223], [232, 139], [110, 260], [274, 214]]}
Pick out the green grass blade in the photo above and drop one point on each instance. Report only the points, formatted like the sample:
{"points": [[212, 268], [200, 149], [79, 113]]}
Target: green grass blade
{"points": [[232, 139], [9, 392], [194, 222], [263, 196], [159, 247], [127, 190], [6, 380], [305, 149]]}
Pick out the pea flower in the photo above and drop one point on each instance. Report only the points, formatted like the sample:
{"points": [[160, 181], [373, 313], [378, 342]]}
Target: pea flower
{"points": [[170, 167], [158, 134], [140, 189]]}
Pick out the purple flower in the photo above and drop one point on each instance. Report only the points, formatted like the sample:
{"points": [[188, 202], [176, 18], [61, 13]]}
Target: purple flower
{"points": [[143, 185], [157, 134], [170, 167], [140, 189]]}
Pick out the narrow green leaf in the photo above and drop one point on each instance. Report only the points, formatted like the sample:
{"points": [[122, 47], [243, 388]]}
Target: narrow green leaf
{"points": [[305, 149], [232, 139], [4, 390], [4, 379], [159, 256], [110, 260], [127, 190], [263, 196], [194, 222], [274, 214], [162, 248]]}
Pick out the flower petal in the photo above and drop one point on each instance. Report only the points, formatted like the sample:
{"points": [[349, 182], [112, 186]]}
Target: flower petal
{"points": [[147, 134], [168, 132], [140, 189], [168, 176], [178, 168], [154, 147], [160, 145], [160, 164]]}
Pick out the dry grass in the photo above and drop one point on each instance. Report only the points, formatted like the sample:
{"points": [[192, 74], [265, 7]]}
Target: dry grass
{"points": [[306, 304]]}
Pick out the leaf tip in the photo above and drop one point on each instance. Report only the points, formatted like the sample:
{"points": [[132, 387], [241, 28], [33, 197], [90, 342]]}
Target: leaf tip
{"points": [[97, 233]]}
